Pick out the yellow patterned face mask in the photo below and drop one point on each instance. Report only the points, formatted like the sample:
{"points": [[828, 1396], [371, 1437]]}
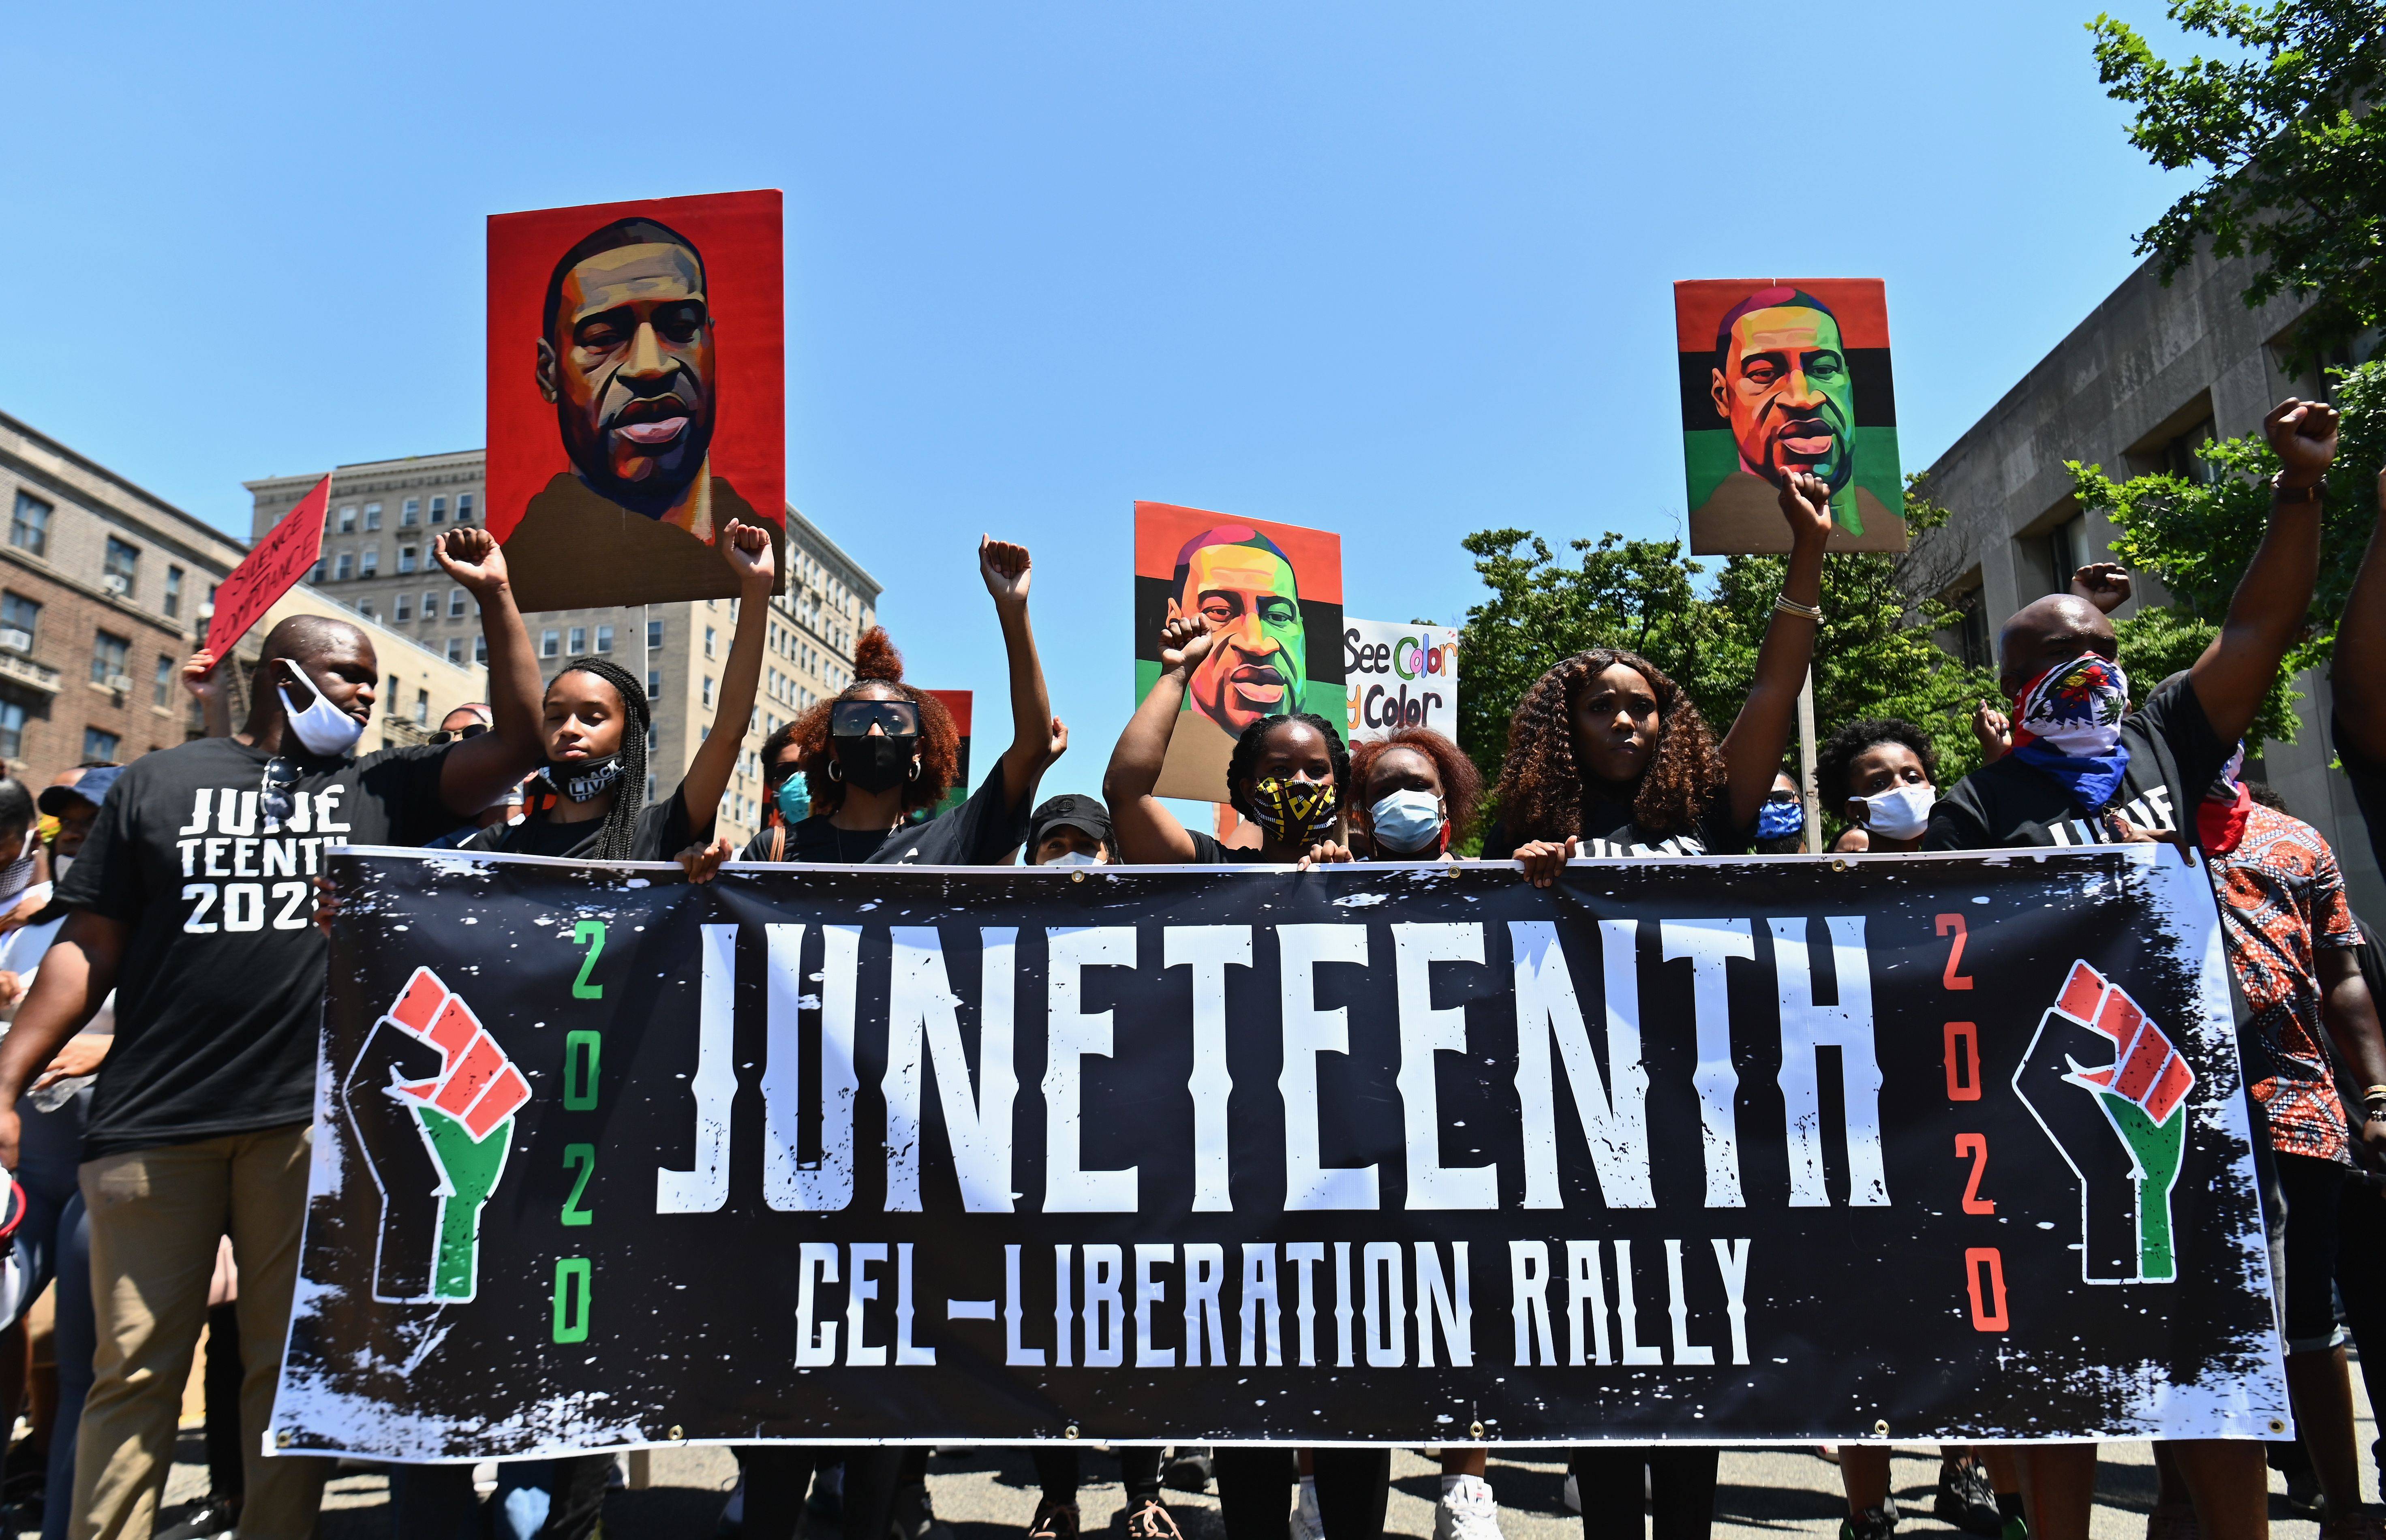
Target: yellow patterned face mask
{"points": [[45, 829], [1293, 812]]}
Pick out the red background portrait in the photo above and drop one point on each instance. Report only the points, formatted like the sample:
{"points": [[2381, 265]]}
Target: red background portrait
{"points": [[739, 237]]}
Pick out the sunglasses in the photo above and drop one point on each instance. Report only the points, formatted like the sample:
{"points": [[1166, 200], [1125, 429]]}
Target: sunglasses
{"points": [[854, 718], [444, 736], [274, 794]]}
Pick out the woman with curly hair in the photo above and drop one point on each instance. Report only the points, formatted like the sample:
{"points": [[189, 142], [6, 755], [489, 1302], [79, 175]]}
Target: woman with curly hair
{"points": [[1608, 756], [1416, 793], [1879, 775], [881, 751]]}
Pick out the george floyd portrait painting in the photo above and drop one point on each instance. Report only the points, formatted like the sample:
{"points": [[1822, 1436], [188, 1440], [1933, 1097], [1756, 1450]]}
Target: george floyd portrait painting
{"points": [[1781, 375], [1274, 592], [636, 395]]}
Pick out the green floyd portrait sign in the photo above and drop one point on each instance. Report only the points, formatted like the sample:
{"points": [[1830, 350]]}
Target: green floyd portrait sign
{"points": [[1678, 1149]]}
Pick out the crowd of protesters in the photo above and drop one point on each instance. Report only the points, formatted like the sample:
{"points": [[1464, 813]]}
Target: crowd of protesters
{"points": [[157, 1081]]}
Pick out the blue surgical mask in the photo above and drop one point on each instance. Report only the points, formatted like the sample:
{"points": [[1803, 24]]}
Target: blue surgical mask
{"points": [[1408, 823], [1072, 857], [1785, 816], [795, 798]]}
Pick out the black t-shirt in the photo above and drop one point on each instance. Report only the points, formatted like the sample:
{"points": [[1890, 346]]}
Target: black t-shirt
{"points": [[663, 831], [982, 831], [222, 982], [2174, 755], [1609, 833]]}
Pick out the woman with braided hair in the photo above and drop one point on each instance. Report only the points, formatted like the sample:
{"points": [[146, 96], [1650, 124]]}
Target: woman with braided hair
{"points": [[589, 801], [1608, 756]]}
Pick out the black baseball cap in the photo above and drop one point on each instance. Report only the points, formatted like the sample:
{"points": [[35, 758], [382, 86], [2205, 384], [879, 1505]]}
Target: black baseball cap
{"points": [[1083, 813]]}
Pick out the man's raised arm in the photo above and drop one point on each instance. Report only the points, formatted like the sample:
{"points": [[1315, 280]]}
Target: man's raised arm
{"points": [[2274, 596], [477, 771]]}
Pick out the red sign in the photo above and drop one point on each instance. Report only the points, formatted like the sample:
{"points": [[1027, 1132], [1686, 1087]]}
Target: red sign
{"points": [[268, 572]]}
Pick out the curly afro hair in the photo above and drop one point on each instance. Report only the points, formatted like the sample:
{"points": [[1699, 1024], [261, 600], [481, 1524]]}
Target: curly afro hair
{"points": [[878, 675], [1462, 783], [1542, 787], [1241, 768], [1837, 755]]}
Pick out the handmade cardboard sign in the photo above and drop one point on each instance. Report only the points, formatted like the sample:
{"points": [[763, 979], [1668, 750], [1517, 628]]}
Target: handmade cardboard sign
{"points": [[636, 395], [1274, 595], [1782, 375], [269, 570]]}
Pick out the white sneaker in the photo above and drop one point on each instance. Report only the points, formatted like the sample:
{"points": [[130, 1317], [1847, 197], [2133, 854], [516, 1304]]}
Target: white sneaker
{"points": [[1467, 1511], [1306, 1524], [1573, 1495]]}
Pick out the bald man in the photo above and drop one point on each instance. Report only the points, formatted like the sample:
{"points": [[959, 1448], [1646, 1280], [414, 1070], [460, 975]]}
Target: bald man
{"points": [[194, 900], [2084, 770]]}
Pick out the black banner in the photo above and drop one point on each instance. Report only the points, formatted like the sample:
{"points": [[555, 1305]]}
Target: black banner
{"points": [[1709, 1150]]}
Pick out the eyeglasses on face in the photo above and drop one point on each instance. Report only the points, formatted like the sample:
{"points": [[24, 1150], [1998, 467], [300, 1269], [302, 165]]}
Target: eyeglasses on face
{"points": [[854, 718], [473, 731]]}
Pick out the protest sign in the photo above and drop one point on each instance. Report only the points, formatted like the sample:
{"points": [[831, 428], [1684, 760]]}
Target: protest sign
{"points": [[269, 570], [1783, 374], [1274, 594], [1399, 676], [1935, 1148], [636, 395]]}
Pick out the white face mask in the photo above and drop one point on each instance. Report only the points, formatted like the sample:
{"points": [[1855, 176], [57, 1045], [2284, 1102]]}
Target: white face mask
{"points": [[322, 727], [1900, 812], [1072, 857]]}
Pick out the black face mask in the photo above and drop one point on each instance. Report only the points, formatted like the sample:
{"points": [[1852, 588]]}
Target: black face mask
{"points": [[582, 779], [876, 763]]}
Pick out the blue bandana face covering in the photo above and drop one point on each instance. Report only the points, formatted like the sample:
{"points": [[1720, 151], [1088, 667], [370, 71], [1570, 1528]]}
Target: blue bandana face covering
{"points": [[1777, 819]]}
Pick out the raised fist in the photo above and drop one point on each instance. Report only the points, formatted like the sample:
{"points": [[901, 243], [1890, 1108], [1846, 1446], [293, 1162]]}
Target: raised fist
{"points": [[432, 1098]]}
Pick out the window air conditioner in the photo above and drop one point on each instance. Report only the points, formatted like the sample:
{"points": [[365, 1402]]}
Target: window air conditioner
{"points": [[117, 583], [120, 684], [15, 640]]}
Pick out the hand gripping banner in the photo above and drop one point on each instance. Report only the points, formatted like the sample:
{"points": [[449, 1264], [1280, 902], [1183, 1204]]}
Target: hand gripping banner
{"points": [[1722, 1151]]}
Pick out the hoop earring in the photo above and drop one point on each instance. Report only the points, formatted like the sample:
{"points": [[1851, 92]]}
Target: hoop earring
{"points": [[836, 771], [915, 768]]}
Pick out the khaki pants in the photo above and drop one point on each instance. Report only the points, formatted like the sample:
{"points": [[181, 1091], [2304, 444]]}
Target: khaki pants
{"points": [[156, 1219]]}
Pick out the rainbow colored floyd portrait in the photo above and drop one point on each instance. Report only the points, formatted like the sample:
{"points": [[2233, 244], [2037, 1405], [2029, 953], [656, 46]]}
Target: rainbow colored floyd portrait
{"points": [[1246, 592], [1782, 378]]}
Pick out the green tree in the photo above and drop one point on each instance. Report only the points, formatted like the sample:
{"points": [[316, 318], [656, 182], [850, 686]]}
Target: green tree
{"points": [[2197, 535], [2294, 161], [1874, 656]]}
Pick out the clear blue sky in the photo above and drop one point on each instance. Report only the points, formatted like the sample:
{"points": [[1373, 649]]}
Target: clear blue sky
{"points": [[1400, 272]]}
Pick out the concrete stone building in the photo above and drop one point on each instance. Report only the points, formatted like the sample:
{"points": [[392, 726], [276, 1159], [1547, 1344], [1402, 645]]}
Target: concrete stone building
{"points": [[100, 585], [2150, 374], [376, 562]]}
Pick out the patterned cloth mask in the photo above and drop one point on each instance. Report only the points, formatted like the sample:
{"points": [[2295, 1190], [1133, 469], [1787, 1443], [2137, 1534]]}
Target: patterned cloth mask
{"points": [[1293, 812], [2067, 724]]}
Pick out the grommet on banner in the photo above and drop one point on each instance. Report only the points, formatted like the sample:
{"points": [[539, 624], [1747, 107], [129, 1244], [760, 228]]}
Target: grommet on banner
{"points": [[1077, 876], [2277, 1426], [282, 1439], [1475, 1430], [675, 1434], [1880, 1429], [1839, 863], [1069, 1432]]}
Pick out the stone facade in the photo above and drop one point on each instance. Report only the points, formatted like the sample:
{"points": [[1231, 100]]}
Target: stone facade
{"points": [[385, 514]]}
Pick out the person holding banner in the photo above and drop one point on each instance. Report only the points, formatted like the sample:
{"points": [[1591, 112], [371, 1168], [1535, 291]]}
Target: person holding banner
{"points": [[1880, 776], [2085, 770], [1417, 794], [192, 895]]}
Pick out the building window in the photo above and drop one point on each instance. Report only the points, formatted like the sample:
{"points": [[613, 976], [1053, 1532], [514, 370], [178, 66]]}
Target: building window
{"points": [[389, 694], [463, 507], [369, 563], [604, 638], [2181, 459], [579, 640], [455, 603], [404, 608], [163, 693], [120, 566], [439, 510], [173, 601], [321, 563], [409, 513], [480, 649], [345, 568], [1972, 628], [430, 604], [20, 618], [707, 691], [2068, 549], [654, 683], [100, 747], [550, 643], [365, 609], [12, 730], [405, 559], [372, 517], [651, 742], [348, 520], [422, 708], [708, 641], [456, 649], [654, 635], [650, 780], [108, 658]]}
